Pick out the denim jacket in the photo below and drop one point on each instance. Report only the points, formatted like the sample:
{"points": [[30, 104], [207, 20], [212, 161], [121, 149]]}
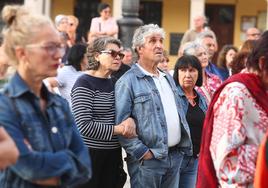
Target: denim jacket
{"points": [[49, 143], [136, 96], [185, 103]]}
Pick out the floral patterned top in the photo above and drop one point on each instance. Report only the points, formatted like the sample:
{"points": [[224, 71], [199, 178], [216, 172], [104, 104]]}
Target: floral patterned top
{"points": [[209, 88], [239, 126]]}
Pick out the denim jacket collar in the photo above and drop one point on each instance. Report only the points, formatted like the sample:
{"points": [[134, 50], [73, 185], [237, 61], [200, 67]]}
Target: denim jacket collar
{"points": [[139, 73], [17, 87], [180, 91]]}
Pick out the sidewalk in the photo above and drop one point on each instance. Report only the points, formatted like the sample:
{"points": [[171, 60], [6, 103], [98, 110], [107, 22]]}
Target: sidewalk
{"points": [[127, 184]]}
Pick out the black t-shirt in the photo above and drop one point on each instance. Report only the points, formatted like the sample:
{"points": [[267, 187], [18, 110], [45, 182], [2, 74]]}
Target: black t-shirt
{"points": [[195, 118]]}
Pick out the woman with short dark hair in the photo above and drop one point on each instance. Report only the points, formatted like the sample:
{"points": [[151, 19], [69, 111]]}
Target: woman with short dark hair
{"points": [[188, 74]]}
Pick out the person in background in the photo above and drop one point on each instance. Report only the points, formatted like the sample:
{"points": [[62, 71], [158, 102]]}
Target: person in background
{"points": [[163, 64], [188, 74], [67, 75], [128, 58], [65, 40], [225, 58], [41, 124], [235, 124], [125, 65], [73, 23], [253, 33], [3, 66], [191, 34], [208, 40], [105, 25], [93, 106], [210, 81], [149, 96], [61, 23], [239, 62]]}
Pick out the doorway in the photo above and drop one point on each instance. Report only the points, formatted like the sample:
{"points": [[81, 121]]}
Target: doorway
{"points": [[221, 20]]}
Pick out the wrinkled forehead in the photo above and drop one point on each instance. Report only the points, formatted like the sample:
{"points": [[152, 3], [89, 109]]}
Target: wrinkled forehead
{"points": [[156, 36]]}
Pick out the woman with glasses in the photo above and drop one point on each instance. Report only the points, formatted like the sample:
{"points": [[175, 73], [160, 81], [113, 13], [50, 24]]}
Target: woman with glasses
{"points": [[51, 151], [67, 75], [93, 105]]}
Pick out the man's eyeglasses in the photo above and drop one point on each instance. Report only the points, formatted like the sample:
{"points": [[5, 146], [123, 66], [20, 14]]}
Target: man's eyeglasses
{"points": [[254, 34], [114, 53], [51, 48]]}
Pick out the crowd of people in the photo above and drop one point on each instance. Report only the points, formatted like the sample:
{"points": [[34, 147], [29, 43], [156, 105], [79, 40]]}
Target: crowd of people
{"points": [[71, 103]]}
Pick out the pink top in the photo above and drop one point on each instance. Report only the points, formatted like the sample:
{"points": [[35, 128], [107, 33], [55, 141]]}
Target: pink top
{"points": [[239, 126], [99, 25], [209, 88]]}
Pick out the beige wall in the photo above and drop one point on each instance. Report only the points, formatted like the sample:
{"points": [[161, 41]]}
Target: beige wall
{"points": [[175, 19], [176, 14], [242, 8], [61, 7]]}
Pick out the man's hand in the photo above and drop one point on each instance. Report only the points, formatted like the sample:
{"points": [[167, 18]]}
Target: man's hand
{"points": [[48, 182], [148, 155]]}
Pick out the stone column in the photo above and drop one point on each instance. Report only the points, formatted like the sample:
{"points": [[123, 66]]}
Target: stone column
{"points": [[130, 21], [117, 9], [39, 6], [267, 15], [197, 7]]}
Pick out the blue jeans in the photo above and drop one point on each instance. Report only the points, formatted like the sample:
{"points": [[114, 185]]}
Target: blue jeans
{"points": [[155, 173], [188, 172]]}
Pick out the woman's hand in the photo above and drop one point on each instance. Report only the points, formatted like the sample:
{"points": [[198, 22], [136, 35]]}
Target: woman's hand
{"points": [[127, 128]]}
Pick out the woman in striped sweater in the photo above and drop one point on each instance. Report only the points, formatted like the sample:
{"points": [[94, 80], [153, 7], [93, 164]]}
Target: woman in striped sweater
{"points": [[94, 111]]}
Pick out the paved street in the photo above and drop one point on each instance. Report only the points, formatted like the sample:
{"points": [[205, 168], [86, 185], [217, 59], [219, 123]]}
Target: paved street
{"points": [[127, 185]]}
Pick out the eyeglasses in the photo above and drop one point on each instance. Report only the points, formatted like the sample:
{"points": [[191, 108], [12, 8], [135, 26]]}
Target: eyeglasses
{"points": [[51, 48], [255, 34], [114, 53]]}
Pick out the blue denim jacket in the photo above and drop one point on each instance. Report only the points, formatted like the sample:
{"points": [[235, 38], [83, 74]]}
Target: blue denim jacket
{"points": [[185, 103], [55, 148], [136, 96]]}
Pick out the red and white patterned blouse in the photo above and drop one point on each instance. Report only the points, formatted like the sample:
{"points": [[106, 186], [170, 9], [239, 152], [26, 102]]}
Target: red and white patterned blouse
{"points": [[209, 88], [238, 128]]}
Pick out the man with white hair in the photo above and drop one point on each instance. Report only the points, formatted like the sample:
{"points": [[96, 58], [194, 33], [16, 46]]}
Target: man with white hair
{"points": [[191, 34], [253, 33], [149, 96], [61, 23]]}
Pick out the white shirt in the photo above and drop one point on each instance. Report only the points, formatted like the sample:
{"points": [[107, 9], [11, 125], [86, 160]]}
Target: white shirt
{"points": [[169, 105]]}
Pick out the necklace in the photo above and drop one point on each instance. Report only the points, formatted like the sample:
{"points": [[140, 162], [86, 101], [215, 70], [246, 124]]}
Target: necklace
{"points": [[191, 99]]}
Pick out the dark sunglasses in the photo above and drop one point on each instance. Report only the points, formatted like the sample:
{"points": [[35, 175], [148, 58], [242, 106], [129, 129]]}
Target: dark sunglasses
{"points": [[114, 53]]}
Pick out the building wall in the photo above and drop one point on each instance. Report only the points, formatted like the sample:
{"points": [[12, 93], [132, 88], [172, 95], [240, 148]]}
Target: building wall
{"points": [[61, 7], [176, 14], [242, 8]]}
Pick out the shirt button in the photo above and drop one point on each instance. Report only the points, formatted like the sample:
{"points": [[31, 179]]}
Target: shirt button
{"points": [[54, 130]]}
